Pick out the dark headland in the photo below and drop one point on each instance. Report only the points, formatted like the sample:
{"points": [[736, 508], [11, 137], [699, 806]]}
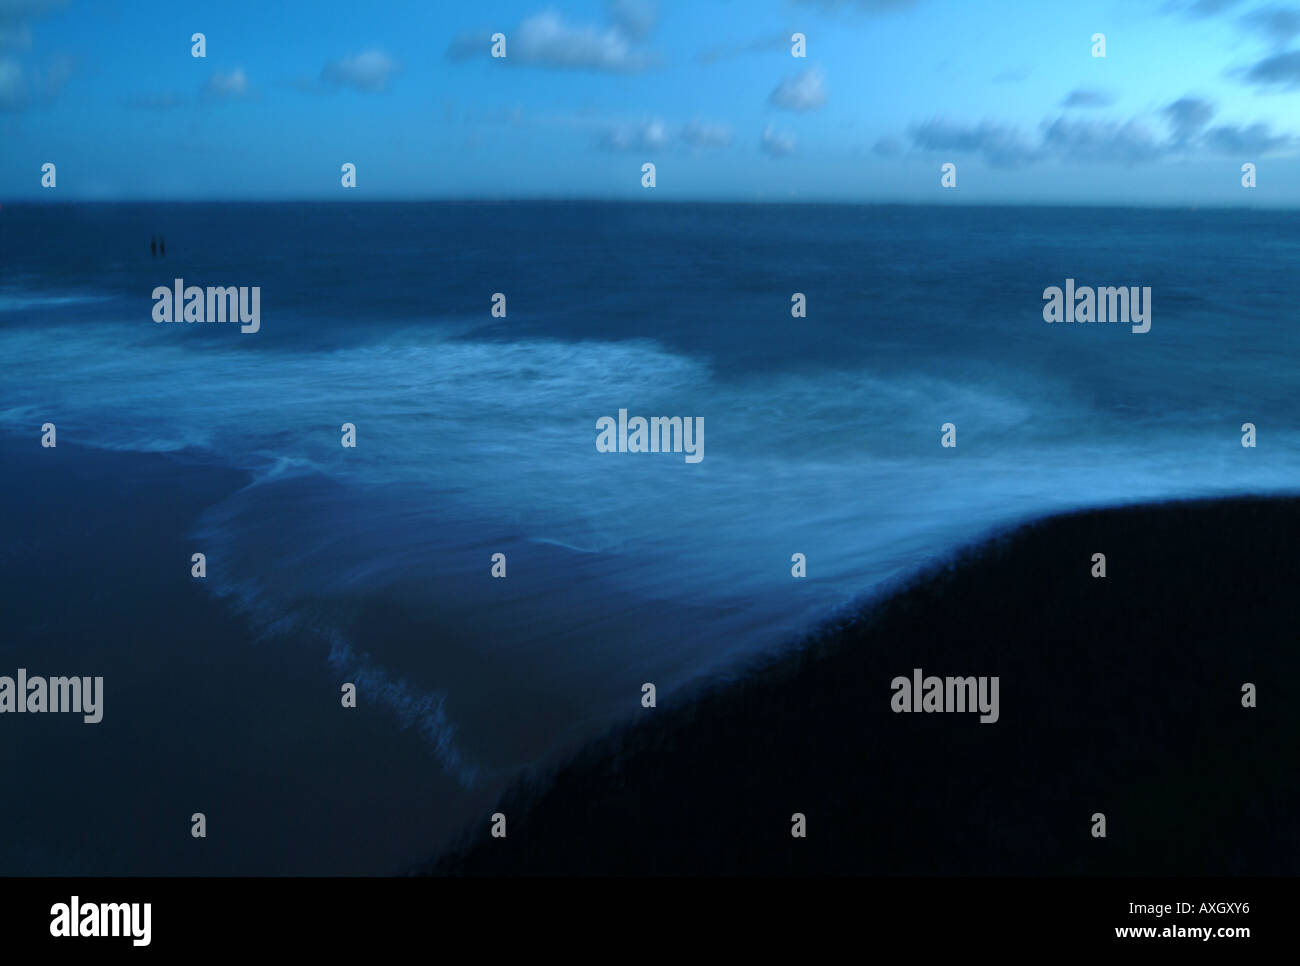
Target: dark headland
{"points": [[1120, 695]]}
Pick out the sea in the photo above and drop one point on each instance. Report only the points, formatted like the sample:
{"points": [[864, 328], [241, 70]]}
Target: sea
{"points": [[476, 432]]}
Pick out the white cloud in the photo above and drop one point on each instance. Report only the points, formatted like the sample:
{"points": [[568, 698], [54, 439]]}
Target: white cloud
{"points": [[368, 71], [548, 40], [775, 143], [651, 135], [232, 85], [705, 134], [805, 91], [545, 39], [1130, 142]]}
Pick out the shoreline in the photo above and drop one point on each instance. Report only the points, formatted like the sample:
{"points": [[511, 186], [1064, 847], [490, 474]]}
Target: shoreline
{"points": [[202, 710], [1120, 695], [207, 711]]}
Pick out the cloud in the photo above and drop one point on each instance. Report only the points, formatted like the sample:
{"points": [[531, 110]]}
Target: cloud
{"points": [[1274, 22], [805, 91], [1001, 146], [776, 144], [368, 71], [703, 134], [1197, 9], [1081, 97], [1127, 142], [1280, 69], [1253, 140], [888, 147], [21, 88], [547, 40], [227, 86], [1188, 116], [651, 135], [1279, 24], [1068, 140], [636, 18]]}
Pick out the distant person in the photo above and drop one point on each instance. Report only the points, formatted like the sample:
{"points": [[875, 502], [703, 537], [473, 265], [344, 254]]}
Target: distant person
{"points": [[153, 246], [162, 246]]}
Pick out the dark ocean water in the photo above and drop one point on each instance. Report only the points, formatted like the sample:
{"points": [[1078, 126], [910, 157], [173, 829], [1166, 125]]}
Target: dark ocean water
{"points": [[477, 434]]}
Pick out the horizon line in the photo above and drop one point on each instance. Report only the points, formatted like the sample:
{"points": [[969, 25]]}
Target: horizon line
{"points": [[734, 202]]}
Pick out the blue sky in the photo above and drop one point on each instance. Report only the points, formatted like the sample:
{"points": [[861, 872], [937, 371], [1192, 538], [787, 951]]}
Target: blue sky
{"points": [[1008, 90]]}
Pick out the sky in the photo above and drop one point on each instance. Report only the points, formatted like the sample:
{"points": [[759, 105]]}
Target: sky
{"points": [[707, 90]]}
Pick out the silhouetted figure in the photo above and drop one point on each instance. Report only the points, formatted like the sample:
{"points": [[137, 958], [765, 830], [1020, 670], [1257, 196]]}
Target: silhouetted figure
{"points": [[153, 246]]}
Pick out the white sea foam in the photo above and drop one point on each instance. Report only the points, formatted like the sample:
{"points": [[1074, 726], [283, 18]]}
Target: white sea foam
{"points": [[464, 444]]}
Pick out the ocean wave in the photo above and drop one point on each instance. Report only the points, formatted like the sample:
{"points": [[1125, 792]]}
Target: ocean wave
{"points": [[18, 301], [469, 446], [412, 706]]}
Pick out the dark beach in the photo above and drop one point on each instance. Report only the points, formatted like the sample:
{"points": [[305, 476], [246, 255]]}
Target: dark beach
{"points": [[201, 712], [1120, 695]]}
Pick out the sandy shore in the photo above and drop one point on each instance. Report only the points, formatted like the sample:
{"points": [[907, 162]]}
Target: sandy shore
{"points": [[199, 715]]}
